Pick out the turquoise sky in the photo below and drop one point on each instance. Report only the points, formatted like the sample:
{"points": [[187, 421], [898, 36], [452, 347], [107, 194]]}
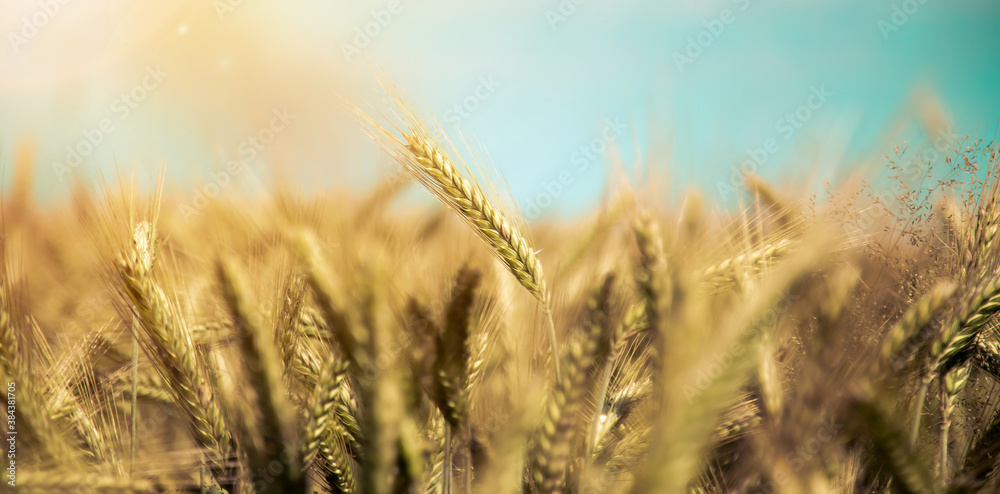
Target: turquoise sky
{"points": [[617, 60], [534, 80]]}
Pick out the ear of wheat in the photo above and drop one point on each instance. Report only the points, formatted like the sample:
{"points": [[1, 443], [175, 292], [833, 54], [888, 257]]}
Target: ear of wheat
{"points": [[438, 167], [169, 344]]}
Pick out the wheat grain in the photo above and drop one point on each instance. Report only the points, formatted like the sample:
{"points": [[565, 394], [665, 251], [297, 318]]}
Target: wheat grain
{"points": [[322, 414], [338, 463]]}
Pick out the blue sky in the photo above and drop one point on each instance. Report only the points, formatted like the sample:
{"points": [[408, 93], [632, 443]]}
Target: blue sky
{"points": [[617, 60], [550, 87]]}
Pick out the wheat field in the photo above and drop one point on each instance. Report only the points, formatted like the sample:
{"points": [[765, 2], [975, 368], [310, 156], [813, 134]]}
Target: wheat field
{"points": [[840, 343]]}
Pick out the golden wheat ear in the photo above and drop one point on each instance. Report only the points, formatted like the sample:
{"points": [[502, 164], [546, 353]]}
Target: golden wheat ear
{"points": [[422, 150]]}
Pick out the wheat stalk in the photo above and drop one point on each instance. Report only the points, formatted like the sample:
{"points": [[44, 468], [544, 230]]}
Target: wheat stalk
{"points": [[428, 162], [286, 326], [170, 345], [649, 277], [353, 344], [915, 322], [324, 433], [955, 344], [719, 273], [451, 362], [338, 462], [437, 173], [903, 463], [952, 383], [322, 408], [552, 451], [261, 364]]}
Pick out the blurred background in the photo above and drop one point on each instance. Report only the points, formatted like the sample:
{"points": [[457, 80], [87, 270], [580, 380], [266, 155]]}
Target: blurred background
{"points": [[245, 93]]}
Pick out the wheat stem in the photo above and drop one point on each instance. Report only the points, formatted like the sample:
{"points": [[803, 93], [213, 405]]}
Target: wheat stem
{"points": [[437, 173]]}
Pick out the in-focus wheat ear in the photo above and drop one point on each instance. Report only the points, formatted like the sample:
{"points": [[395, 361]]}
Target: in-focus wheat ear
{"points": [[435, 163], [169, 345]]}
